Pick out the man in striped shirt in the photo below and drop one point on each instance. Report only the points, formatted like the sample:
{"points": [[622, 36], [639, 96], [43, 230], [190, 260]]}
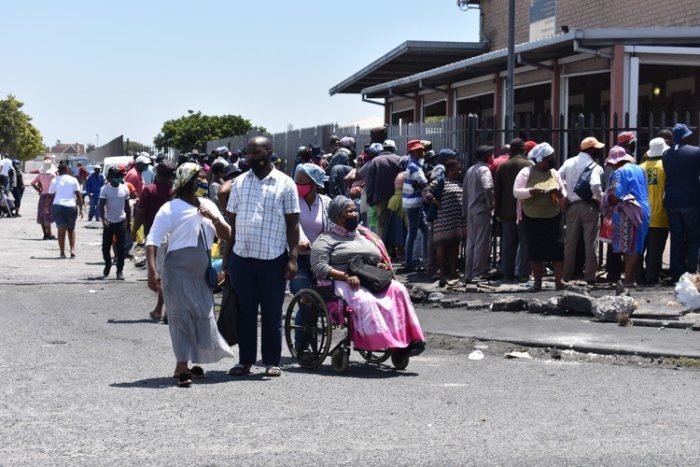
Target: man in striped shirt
{"points": [[413, 185], [264, 215]]}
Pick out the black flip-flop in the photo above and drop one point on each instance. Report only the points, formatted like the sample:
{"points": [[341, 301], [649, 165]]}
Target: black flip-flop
{"points": [[239, 370], [184, 380], [197, 371]]}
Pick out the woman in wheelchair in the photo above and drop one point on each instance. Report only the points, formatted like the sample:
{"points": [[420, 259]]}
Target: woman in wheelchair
{"points": [[380, 321]]}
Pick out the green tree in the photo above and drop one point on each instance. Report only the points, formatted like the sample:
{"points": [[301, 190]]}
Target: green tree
{"points": [[193, 130], [18, 137], [133, 147]]}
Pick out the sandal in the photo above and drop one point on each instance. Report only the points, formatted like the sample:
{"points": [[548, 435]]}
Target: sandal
{"points": [[184, 380], [239, 370], [197, 371], [273, 371], [155, 316]]}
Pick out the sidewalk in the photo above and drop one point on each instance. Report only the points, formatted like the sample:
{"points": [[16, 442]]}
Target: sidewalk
{"points": [[571, 332]]}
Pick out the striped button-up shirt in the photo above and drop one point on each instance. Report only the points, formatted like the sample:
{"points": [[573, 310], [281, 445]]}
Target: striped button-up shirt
{"points": [[260, 207]]}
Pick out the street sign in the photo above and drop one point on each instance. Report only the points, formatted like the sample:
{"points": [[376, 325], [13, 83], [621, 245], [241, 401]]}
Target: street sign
{"points": [[543, 18]]}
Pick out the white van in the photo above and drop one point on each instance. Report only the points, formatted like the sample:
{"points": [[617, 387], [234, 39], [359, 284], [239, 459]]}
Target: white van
{"points": [[115, 161]]}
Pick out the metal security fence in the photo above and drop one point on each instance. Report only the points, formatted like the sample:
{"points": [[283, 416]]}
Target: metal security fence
{"points": [[464, 133]]}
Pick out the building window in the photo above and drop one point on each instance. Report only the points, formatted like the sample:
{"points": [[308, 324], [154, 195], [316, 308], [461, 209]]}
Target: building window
{"points": [[402, 117], [589, 94], [665, 89], [532, 103], [436, 112], [481, 106]]}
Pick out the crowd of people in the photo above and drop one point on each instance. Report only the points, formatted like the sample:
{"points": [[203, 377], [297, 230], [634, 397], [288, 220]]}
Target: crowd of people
{"points": [[413, 207]]}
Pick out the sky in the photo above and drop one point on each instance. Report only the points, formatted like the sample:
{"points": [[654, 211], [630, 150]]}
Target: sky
{"points": [[88, 68]]}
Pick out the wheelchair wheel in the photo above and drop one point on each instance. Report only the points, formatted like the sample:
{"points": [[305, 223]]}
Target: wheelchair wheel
{"points": [[376, 357], [340, 360], [316, 328], [400, 359]]}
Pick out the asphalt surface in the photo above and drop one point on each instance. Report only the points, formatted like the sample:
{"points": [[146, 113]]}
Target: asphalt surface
{"points": [[86, 381]]}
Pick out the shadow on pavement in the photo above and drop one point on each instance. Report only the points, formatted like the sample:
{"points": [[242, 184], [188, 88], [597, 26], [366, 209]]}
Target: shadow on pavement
{"points": [[355, 370], [132, 321], [45, 257], [95, 263], [212, 377]]}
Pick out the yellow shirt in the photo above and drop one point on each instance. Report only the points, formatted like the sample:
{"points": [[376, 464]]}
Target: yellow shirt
{"points": [[656, 178]]}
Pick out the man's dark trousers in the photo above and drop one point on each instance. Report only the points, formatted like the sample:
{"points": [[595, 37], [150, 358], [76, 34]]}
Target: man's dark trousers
{"points": [[118, 230], [259, 282], [685, 240]]}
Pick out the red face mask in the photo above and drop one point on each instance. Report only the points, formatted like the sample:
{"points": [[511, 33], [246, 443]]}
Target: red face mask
{"points": [[303, 190]]}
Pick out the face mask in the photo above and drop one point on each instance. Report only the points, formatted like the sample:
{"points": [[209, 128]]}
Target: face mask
{"points": [[303, 190], [202, 189], [351, 223], [116, 181], [259, 165], [550, 164]]}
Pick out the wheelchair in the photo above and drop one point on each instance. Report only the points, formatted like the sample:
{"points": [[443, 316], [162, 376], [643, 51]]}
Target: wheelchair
{"points": [[322, 313]]}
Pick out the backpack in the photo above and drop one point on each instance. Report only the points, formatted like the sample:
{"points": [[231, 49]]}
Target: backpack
{"points": [[583, 185]]}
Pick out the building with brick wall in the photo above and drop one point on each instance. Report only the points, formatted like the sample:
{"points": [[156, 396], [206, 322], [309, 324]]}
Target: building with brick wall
{"points": [[631, 58]]}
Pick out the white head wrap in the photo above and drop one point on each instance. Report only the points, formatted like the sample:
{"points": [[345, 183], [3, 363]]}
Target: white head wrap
{"points": [[540, 152]]}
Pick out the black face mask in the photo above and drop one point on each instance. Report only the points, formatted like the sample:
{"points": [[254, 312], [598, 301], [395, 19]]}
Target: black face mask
{"points": [[259, 165], [351, 223]]}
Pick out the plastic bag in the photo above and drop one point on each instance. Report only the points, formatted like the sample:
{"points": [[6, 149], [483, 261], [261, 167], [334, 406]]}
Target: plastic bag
{"points": [[686, 292]]}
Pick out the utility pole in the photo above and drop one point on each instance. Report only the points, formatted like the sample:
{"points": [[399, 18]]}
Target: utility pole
{"points": [[510, 92]]}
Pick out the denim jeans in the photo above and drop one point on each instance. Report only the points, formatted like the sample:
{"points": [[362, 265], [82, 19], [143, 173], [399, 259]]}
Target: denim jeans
{"points": [[416, 220], [303, 280], [685, 240], [94, 211]]}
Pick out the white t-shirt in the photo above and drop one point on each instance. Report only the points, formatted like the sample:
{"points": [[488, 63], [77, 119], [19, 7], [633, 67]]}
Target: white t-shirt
{"points": [[181, 223], [571, 171], [114, 202], [6, 166], [64, 187]]}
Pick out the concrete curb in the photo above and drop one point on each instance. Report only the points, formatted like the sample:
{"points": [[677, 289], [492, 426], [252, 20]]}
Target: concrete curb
{"points": [[583, 348]]}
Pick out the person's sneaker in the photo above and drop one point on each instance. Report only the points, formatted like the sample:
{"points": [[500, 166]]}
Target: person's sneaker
{"points": [[120, 276], [105, 271]]}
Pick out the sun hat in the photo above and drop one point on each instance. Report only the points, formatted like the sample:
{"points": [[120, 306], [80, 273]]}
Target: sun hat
{"points": [[657, 147], [625, 137], [390, 143], [680, 131], [414, 145], [143, 160], [617, 155], [375, 148]]}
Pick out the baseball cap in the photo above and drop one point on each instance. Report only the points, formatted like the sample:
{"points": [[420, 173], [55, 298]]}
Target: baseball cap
{"points": [[591, 142], [625, 137]]}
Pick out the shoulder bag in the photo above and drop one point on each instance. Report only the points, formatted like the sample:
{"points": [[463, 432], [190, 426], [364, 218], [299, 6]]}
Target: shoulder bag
{"points": [[210, 275]]}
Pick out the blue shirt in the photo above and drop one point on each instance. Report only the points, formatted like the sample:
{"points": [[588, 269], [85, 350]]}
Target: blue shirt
{"points": [[682, 168], [413, 185], [94, 184], [630, 179]]}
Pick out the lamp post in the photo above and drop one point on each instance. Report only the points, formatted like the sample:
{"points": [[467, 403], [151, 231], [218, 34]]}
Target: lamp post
{"points": [[510, 92]]}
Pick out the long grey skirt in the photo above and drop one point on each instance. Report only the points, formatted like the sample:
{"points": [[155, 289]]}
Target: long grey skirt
{"points": [[190, 305]]}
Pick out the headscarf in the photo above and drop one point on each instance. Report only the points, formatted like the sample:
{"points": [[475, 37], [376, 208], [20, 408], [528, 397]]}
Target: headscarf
{"points": [[540, 152], [184, 174], [47, 167], [337, 206], [312, 171]]}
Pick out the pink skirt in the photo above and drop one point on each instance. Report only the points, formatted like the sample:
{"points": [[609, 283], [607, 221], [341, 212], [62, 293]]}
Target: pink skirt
{"points": [[382, 321]]}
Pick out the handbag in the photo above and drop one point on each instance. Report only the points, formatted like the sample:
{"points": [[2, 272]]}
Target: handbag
{"points": [[372, 277], [210, 275], [431, 211], [228, 316]]}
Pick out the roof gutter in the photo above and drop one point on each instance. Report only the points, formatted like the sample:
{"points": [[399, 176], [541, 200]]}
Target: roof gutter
{"points": [[585, 50]]}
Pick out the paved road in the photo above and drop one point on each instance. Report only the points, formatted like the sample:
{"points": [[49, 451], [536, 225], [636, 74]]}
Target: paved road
{"points": [[85, 381]]}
